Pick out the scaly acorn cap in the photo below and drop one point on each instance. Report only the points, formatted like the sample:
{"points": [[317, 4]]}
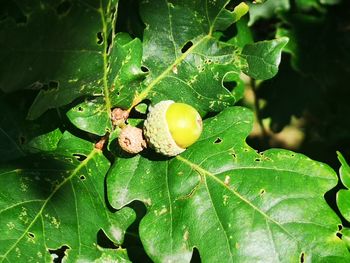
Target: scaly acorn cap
{"points": [[158, 132]]}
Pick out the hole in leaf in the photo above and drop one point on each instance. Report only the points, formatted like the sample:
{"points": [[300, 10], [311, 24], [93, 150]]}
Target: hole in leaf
{"points": [[257, 159], [302, 257], [80, 109], [58, 254], [187, 46], [230, 85], [79, 157], [218, 141], [196, 257], [63, 8], [45, 87], [31, 235], [82, 177], [104, 241], [340, 227], [99, 38], [53, 84], [22, 139], [144, 69], [262, 192], [109, 41], [338, 234], [234, 155]]}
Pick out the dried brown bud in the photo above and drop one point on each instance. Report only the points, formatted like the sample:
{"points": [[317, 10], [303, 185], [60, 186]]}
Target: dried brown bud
{"points": [[99, 145], [131, 140], [119, 116]]}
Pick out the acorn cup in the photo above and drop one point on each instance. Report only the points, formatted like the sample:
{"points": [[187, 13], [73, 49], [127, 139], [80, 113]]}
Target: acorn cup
{"points": [[171, 127]]}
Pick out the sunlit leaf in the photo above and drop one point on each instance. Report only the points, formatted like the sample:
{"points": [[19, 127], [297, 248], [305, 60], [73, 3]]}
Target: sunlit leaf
{"points": [[230, 202], [343, 196]]}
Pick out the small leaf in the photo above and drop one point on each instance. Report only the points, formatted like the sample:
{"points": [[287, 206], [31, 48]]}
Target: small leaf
{"points": [[91, 116], [263, 58], [343, 202], [45, 142], [343, 196], [344, 170]]}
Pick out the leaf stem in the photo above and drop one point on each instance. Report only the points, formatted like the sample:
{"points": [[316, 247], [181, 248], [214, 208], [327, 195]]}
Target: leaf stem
{"points": [[105, 61]]}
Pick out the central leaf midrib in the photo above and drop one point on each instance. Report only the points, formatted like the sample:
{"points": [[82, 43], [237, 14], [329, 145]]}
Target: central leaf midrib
{"points": [[242, 198], [139, 97], [143, 95], [105, 61]]}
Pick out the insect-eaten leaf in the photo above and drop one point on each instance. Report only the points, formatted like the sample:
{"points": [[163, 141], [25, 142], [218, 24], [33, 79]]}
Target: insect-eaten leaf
{"points": [[226, 197]]}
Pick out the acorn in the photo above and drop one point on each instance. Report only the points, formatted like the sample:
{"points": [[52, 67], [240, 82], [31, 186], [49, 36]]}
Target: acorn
{"points": [[171, 127]]}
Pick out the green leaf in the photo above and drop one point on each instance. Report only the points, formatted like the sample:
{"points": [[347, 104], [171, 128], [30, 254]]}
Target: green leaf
{"points": [[91, 116], [205, 75], [124, 73], [344, 171], [266, 10], [263, 58], [343, 202], [184, 60], [112, 255], [57, 199], [221, 195], [45, 142], [343, 196], [53, 50]]}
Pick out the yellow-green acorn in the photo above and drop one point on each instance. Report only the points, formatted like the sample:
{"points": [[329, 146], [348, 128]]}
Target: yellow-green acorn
{"points": [[171, 127]]}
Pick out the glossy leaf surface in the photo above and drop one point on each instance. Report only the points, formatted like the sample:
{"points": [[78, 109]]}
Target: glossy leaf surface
{"points": [[230, 202], [57, 199], [343, 196]]}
